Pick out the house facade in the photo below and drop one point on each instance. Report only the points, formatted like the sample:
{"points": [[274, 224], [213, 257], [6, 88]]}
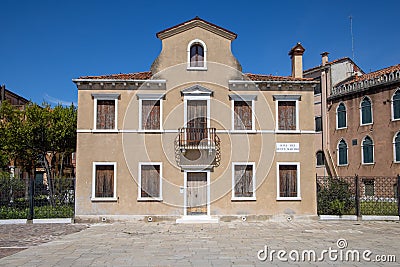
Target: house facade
{"points": [[194, 138], [328, 74], [365, 115]]}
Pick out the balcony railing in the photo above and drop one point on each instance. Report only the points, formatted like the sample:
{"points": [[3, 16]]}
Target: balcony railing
{"points": [[197, 138], [197, 147]]}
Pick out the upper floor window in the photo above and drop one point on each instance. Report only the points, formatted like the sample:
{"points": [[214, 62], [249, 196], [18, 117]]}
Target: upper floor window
{"points": [[243, 112], [317, 88], [318, 124], [341, 116], [367, 150], [320, 158], [197, 55], [342, 153], [396, 147], [366, 111], [287, 112], [150, 112], [105, 110], [396, 105]]}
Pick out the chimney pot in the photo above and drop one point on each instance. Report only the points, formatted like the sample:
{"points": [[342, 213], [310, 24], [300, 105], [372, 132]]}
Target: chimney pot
{"points": [[296, 54], [324, 58]]}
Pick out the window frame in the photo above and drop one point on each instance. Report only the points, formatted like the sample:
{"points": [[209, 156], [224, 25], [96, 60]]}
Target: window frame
{"points": [[361, 113], [392, 105], [278, 197], [235, 198], [323, 158], [153, 97], [140, 198], [103, 163], [395, 160], [284, 98], [97, 97], [315, 120], [203, 44], [338, 153], [337, 116], [362, 151], [243, 98]]}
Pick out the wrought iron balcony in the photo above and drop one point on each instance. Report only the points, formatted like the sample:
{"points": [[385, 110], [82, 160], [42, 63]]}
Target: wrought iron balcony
{"points": [[197, 147]]}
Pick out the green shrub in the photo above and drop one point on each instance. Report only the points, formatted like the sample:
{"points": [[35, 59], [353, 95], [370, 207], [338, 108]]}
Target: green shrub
{"points": [[335, 198]]}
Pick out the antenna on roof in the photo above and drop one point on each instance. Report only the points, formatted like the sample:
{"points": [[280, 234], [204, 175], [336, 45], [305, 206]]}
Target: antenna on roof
{"points": [[352, 36]]}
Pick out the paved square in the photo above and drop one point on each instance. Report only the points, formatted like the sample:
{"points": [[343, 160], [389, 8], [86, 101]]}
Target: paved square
{"points": [[223, 244]]}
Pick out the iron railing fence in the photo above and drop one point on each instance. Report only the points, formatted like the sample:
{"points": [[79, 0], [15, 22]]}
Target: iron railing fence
{"points": [[358, 195]]}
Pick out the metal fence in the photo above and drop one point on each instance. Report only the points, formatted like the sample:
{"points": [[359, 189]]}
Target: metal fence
{"points": [[357, 195], [37, 199]]}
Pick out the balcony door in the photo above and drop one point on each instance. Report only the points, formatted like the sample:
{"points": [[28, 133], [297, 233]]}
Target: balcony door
{"points": [[196, 121]]}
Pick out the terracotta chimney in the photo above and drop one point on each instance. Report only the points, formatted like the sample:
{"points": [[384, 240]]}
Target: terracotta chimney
{"points": [[324, 58], [296, 54]]}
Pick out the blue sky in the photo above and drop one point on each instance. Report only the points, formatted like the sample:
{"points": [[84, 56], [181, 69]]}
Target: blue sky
{"points": [[45, 44]]}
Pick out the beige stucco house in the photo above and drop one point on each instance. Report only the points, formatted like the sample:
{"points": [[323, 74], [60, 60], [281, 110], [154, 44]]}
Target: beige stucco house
{"points": [[194, 139]]}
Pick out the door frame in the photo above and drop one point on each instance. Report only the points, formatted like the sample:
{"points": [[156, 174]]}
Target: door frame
{"points": [[185, 106], [185, 192]]}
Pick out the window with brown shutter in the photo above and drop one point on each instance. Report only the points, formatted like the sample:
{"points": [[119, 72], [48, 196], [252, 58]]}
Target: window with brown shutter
{"points": [[105, 114], [243, 181], [287, 115], [104, 183], [288, 181], [151, 116], [243, 115], [150, 181]]}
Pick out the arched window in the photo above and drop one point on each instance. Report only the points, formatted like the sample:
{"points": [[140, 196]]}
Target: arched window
{"points": [[366, 111], [196, 56], [367, 150], [396, 105], [320, 158], [396, 147], [341, 116], [342, 153]]}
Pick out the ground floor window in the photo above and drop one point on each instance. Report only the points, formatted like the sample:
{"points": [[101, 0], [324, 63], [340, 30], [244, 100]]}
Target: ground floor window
{"points": [[150, 181], [243, 181], [288, 181], [104, 180]]}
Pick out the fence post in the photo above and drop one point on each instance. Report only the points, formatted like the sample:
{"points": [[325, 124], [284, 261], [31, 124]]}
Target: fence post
{"points": [[31, 193], [357, 200], [398, 195]]}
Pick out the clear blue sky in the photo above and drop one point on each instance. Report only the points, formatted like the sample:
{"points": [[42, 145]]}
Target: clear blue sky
{"points": [[45, 44]]}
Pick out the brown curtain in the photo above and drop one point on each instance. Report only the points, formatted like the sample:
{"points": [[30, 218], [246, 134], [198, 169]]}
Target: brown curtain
{"points": [[243, 180], [104, 181], [288, 180], [150, 175], [105, 114], [242, 116], [287, 115], [151, 114]]}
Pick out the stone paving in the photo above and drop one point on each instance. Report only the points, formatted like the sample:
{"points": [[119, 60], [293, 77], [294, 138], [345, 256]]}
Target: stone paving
{"points": [[223, 244]]}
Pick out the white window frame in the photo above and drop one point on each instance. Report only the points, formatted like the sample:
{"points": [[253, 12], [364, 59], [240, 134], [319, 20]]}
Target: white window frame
{"points": [[157, 97], [337, 117], [196, 97], [394, 148], [140, 198], [234, 198], [203, 44], [100, 163], [278, 197], [244, 98], [105, 97], [372, 112], [362, 151], [392, 105], [347, 153], [296, 99]]}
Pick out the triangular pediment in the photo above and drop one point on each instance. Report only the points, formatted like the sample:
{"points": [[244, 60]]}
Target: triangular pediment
{"points": [[197, 90], [196, 22]]}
